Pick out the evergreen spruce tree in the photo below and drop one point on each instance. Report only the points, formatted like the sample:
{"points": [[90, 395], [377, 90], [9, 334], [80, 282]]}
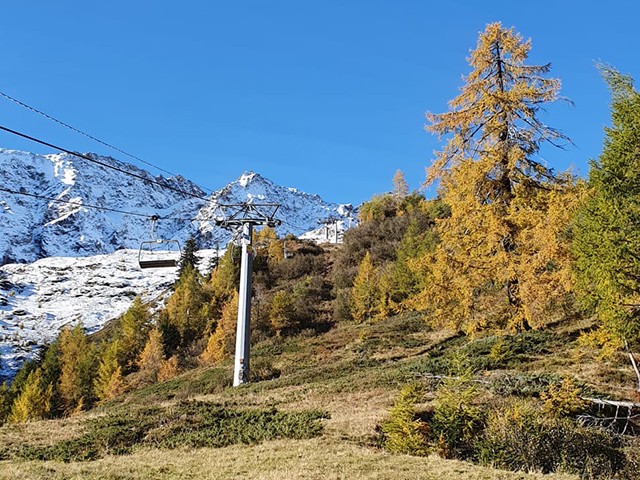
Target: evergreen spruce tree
{"points": [[20, 379], [189, 259], [607, 227], [501, 260], [5, 402], [34, 401], [226, 275], [282, 313], [51, 367]]}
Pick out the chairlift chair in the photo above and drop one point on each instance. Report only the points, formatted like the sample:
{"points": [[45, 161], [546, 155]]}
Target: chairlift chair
{"points": [[159, 253]]}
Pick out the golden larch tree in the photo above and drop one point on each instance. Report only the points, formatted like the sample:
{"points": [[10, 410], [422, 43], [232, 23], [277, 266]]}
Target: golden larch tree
{"points": [[151, 357], [77, 358], [365, 294], [109, 381], [501, 261], [221, 342], [400, 185], [34, 402]]}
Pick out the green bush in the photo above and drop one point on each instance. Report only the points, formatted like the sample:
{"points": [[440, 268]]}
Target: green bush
{"points": [[404, 431], [187, 424], [523, 385], [262, 369], [456, 418], [518, 437]]}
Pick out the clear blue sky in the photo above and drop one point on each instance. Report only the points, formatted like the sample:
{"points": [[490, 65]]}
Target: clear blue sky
{"points": [[327, 96]]}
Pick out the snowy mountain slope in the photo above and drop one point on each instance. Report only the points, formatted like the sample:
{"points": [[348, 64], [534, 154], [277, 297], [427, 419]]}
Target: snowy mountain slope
{"points": [[38, 299], [79, 270], [31, 228]]}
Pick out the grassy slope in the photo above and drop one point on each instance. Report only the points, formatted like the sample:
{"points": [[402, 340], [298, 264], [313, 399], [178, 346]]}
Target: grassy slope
{"points": [[353, 372]]}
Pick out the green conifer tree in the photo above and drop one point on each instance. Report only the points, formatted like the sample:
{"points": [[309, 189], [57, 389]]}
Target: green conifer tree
{"points": [[51, 370], [5, 402], [189, 259], [281, 313], [607, 227]]}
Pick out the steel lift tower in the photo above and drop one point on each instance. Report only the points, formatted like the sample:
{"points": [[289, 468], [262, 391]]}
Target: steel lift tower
{"points": [[241, 218]]}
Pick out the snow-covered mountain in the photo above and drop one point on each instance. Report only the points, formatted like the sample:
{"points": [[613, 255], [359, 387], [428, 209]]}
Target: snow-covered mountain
{"points": [[65, 263], [32, 228]]}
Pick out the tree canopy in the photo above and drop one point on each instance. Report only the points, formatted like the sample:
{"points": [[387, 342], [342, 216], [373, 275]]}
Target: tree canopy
{"points": [[507, 206]]}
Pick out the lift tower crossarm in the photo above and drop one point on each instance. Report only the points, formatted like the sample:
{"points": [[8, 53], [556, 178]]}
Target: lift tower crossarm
{"points": [[245, 216]]}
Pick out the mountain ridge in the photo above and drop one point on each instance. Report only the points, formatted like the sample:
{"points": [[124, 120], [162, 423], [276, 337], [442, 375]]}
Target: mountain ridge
{"points": [[33, 229]]}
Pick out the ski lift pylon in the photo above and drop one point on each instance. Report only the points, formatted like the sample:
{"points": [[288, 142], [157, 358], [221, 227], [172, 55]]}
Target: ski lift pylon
{"points": [[158, 253]]}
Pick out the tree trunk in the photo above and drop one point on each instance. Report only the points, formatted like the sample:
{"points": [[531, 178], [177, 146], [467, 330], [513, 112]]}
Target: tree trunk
{"points": [[635, 369]]}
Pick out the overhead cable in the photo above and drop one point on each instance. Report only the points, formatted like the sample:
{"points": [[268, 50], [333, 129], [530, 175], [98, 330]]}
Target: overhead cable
{"points": [[95, 139], [77, 204], [106, 165]]}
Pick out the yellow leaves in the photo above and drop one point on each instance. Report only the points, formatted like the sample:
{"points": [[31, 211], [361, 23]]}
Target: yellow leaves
{"points": [[502, 260], [34, 402], [563, 400], [220, 344], [364, 294], [151, 357]]}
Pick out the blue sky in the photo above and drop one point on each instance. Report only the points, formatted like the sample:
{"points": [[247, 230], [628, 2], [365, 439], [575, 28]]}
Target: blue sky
{"points": [[328, 97]]}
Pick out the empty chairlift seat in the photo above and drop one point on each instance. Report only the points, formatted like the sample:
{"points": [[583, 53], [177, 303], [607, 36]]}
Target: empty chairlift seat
{"points": [[159, 254]]}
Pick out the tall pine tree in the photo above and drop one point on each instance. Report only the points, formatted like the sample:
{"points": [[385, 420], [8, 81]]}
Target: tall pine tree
{"points": [[607, 227], [189, 259], [499, 261]]}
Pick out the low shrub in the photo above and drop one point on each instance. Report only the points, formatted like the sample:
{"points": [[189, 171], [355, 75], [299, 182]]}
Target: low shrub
{"points": [[262, 369], [186, 424], [517, 437], [456, 418], [563, 399], [523, 385], [404, 431]]}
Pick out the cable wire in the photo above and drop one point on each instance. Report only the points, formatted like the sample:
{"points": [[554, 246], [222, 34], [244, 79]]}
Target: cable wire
{"points": [[106, 165], [77, 130], [58, 200]]}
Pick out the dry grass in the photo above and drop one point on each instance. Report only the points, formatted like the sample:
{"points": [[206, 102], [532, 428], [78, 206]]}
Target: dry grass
{"points": [[354, 377], [41, 433], [319, 459]]}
